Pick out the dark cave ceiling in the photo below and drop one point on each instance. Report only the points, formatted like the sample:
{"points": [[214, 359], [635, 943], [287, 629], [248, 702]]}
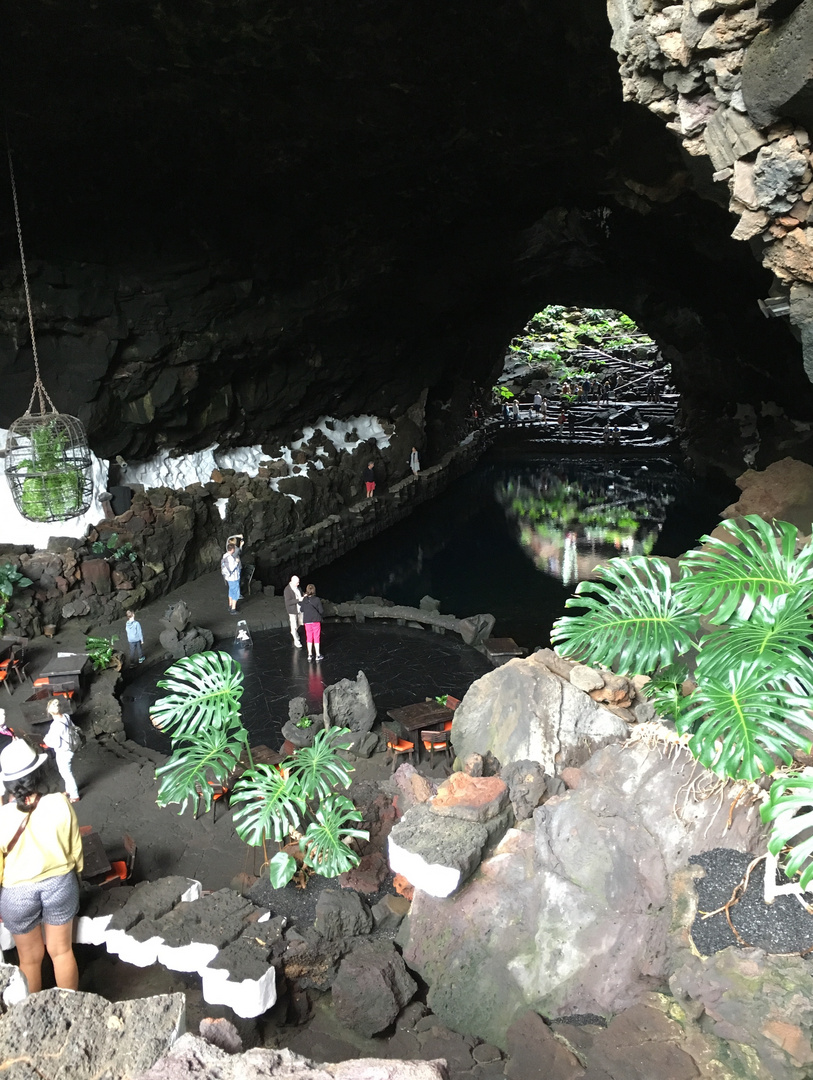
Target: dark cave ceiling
{"points": [[243, 214]]}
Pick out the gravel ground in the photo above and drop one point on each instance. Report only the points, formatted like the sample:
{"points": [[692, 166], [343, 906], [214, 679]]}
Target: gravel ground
{"points": [[782, 927]]}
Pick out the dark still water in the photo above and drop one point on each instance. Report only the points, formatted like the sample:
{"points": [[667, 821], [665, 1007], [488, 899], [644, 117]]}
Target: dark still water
{"points": [[514, 536]]}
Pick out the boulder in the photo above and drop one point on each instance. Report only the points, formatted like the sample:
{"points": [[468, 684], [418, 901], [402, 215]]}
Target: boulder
{"points": [[341, 914], [412, 787], [192, 1058], [299, 736], [527, 787], [368, 877], [783, 491], [522, 711], [470, 798], [586, 678], [371, 987], [435, 854], [777, 74], [389, 912], [476, 628], [349, 703], [583, 899], [60, 1033]]}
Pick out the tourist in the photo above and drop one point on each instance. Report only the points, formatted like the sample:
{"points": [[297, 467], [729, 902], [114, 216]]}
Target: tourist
{"points": [[515, 412], [292, 595], [543, 409], [414, 461], [616, 434], [135, 638], [562, 418], [312, 614], [537, 403], [369, 479], [60, 738], [231, 567], [587, 387], [607, 432], [39, 837]]}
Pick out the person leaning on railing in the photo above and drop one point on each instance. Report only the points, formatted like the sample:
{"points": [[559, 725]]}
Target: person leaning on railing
{"points": [[40, 860]]}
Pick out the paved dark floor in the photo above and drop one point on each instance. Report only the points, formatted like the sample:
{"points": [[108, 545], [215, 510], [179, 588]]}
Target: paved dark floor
{"points": [[402, 664]]}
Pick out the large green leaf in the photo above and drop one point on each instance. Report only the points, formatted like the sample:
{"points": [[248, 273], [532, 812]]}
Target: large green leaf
{"points": [[632, 616], [777, 636], [268, 802], [324, 844], [281, 869], [212, 755], [790, 808], [205, 693], [747, 721], [737, 577], [317, 768]]}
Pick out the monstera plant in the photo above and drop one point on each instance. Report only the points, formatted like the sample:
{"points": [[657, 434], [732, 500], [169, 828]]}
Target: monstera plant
{"points": [[296, 798], [739, 613]]}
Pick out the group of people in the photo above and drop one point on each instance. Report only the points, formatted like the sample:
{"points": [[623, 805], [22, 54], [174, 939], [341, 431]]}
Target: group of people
{"points": [[305, 609]]}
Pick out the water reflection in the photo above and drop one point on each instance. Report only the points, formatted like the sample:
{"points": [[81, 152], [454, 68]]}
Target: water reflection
{"points": [[572, 518]]}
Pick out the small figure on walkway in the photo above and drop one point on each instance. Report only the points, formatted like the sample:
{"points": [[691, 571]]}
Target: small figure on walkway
{"points": [[135, 638], [312, 614], [414, 461], [231, 567], [60, 739], [506, 411], [369, 479], [562, 418], [587, 388], [40, 837], [292, 595], [607, 432], [543, 409], [537, 403], [616, 434], [515, 412]]}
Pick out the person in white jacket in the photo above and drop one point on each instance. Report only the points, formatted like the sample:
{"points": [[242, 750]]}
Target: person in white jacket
{"points": [[58, 738], [414, 461]]}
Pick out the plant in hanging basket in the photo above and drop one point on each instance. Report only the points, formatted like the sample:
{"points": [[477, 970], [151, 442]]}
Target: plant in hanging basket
{"points": [[47, 468]]}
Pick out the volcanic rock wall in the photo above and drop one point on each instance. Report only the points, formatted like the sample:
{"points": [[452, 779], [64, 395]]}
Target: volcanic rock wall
{"points": [[733, 79]]}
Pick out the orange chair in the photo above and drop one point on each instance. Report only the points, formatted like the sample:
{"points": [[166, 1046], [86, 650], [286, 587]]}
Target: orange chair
{"points": [[5, 680], [219, 791], [122, 869], [396, 745], [447, 726], [436, 742], [42, 682]]}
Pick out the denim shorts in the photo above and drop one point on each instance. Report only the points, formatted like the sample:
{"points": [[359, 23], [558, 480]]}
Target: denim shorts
{"points": [[53, 901], [234, 589]]}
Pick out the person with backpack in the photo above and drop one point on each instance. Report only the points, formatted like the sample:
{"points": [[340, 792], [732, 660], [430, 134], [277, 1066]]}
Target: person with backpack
{"points": [[40, 859], [231, 567], [64, 738]]}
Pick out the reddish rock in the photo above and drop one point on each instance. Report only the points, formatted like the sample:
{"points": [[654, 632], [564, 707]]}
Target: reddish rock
{"points": [[368, 876], [402, 887], [571, 777], [536, 1054], [471, 798]]}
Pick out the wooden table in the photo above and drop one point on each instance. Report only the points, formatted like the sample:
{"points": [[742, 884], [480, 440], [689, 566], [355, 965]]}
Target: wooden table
{"points": [[63, 667], [425, 714], [97, 863]]}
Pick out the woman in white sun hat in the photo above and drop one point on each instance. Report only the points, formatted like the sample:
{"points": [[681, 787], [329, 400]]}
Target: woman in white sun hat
{"points": [[41, 856]]}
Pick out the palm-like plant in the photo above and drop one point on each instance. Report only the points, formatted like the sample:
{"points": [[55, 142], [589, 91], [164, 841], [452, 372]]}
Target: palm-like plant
{"points": [[211, 757], [741, 609], [205, 692], [202, 714]]}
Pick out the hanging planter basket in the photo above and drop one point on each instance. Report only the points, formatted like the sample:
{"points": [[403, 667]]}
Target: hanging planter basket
{"points": [[48, 463], [48, 467]]}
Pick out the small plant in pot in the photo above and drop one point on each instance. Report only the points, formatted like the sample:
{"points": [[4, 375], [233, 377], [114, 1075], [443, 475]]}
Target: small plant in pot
{"points": [[296, 799]]}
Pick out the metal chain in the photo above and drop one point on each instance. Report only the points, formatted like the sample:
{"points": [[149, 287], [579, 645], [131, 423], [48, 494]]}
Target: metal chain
{"points": [[39, 389]]}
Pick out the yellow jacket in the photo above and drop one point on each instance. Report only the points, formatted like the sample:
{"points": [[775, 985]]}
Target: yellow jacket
{"points": [[49, 846]]}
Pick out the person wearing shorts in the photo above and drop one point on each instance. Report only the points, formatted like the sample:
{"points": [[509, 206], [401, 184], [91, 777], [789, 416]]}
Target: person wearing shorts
{"points": [[312, 614], [42, 852], [369, 479], [231, 568]]}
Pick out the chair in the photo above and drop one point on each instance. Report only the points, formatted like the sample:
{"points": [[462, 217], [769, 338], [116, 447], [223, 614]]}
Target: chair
{"points": [[396, 745], [219, 791], [4, 679], [437, 741], [122, 869]]}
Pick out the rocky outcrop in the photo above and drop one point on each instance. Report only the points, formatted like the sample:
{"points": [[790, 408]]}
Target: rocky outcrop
{"points": [[782, 492], [736, 86], [582, 896], [532, 710]]}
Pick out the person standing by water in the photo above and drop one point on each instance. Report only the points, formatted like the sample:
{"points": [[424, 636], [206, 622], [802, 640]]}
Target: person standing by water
{"points": [[414, 461], [135, 638], [42, 849], [312, 614], [59, 738], [231, 567], [292, 595], [369, 479]]}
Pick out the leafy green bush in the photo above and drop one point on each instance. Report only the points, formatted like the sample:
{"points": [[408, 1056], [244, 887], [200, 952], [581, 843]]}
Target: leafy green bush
{"points": [[740, 609], [111, 549], [100, 650], [296, 798]]}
